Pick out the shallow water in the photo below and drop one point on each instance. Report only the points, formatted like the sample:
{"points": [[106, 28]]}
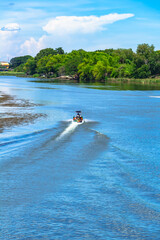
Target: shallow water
{"points": [[96, 180]]}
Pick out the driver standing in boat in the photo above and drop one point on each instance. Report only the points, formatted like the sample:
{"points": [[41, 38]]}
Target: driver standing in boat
{"points": [[78, 116]]}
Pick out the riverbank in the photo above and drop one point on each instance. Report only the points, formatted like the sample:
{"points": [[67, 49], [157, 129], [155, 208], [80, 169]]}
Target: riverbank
{"points": [[11, 114], [72, 79], [146, 81], [119, 81], [11, 73]]}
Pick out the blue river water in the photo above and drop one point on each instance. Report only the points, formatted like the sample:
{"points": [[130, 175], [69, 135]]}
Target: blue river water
{"points": [[96, 180]]}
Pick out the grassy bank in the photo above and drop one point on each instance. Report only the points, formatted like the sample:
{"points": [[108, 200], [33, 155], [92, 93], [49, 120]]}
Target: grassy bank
{"points": [[11, 73], [147, 81]]}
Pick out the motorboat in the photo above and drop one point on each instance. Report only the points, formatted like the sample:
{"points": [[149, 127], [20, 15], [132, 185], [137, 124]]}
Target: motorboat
{"points": [[78, 118]]}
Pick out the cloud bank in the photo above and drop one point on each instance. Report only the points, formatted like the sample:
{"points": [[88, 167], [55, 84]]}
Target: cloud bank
{"points": [[87, 24]]}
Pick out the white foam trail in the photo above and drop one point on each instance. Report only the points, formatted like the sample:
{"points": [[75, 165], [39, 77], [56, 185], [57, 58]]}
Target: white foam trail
{"points": [[68, 130], [88, 120], [154, 96], [69, 120]]}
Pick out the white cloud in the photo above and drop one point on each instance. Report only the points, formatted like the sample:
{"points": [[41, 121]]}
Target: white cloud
{"points": [[32, 47], [64, 31], [11, 27], [69, 32], [9, 42], [87, 24]]}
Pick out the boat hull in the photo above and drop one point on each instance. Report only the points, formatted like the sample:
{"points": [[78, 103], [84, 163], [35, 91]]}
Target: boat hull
{"points": [[76, 121]]}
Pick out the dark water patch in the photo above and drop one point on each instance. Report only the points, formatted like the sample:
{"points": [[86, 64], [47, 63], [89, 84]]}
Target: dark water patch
{"points": [[49, 88]]}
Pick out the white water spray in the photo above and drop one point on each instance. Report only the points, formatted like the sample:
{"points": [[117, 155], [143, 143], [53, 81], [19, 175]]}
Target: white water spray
{"points": [[68, 130]]}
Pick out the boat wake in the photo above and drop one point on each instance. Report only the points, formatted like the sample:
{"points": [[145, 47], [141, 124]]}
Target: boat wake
{"points": [[47, 158], [72, 126]]}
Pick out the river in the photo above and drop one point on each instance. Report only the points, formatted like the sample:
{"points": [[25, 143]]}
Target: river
{"points": [[97, 180]]}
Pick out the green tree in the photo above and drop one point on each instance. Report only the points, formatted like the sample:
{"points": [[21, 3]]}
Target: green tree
{"points": [[143, 71], [94, 66], [53, 64], [145, 51], [41, 65], [16, 61], [20, 68], [144, 61], [48, 51], [99, 70], [30, 66], [59, 50], [73, 60]]}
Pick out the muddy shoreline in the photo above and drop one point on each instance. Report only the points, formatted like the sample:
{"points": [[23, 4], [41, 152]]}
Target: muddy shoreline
{"points": [[11, 113]]}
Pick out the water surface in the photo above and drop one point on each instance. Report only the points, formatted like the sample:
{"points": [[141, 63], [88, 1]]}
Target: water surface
{"points": [[97, 180]]}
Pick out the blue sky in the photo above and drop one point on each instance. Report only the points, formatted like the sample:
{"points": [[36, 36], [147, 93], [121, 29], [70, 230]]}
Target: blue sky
{"points": [[26, 27]]}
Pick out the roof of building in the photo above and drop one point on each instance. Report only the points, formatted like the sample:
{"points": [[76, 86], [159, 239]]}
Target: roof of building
{"points": [[4, 63]]}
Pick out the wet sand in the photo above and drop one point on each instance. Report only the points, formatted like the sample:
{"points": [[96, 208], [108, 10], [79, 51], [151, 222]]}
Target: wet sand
{"points": [[11, 113]]}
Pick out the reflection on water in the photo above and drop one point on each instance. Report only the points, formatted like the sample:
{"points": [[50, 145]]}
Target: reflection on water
{"points": [[123, 86], [107, 85], [96, 180]]}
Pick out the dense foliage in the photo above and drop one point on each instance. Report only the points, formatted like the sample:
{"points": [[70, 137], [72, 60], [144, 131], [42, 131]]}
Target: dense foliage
{"points": [[95, 66], [17, 61], [49, 51]]}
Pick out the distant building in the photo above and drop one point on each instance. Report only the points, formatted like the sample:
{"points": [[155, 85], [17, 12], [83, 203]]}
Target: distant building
{"points": [[4, 64]]}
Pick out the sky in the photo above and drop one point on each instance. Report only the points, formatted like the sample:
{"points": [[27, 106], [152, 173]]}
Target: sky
{"points": [[26, 27]]}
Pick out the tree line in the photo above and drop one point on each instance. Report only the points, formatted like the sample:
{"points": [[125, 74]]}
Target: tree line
{"points": [[91, 66]]}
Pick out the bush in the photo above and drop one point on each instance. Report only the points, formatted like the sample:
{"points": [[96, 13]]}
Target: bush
{"points": [[36, 75]]}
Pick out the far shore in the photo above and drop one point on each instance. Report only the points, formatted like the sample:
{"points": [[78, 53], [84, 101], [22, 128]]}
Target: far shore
{"points": [[155, 81]]}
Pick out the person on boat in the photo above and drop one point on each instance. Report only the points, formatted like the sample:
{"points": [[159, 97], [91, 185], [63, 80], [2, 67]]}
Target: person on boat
{"points": [[78, 116]]}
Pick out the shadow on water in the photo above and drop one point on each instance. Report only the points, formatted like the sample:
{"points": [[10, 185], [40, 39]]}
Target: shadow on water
{"points": [[52, 158]]}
